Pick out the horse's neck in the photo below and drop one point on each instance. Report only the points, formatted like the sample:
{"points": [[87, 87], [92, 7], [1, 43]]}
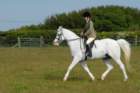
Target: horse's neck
{"points": [[75, 46], [69, 34], [73, 40]]}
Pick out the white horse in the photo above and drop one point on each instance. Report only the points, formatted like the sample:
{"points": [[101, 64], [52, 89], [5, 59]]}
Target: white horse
{"points": [[103, 48]]}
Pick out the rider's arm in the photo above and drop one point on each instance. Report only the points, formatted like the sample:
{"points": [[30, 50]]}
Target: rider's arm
{"points": [[89, 29]]}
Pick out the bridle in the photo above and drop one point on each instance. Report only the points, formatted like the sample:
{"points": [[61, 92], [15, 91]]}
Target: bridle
{"points": [[59, 37]]}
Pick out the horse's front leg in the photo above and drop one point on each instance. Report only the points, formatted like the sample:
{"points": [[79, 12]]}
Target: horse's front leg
{"points": [[71, 66], [85, 66]]}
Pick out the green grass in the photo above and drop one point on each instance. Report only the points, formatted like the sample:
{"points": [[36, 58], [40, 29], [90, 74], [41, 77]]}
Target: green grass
{"points": [[41, 70]]}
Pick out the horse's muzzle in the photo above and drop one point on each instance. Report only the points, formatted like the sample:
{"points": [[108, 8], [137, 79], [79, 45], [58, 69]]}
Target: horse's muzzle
{"points": [[55, 43]]}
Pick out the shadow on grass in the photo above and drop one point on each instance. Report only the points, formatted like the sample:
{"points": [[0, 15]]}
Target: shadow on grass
{"points": [[53, 77], [78, 79], [57, 77]]}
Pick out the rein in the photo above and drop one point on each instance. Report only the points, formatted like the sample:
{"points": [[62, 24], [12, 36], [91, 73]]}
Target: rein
{"points": [[69, 40], [72, 39]]}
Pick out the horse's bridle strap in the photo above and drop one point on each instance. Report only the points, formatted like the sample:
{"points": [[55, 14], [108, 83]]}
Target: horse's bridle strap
{"points": [[73, 39]]}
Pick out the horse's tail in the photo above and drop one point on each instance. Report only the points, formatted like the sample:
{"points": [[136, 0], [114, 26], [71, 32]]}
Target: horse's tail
{"points": [[125, 46]]}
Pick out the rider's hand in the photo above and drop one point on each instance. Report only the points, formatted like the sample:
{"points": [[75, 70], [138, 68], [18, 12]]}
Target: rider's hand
{"points": [[82, 34]]}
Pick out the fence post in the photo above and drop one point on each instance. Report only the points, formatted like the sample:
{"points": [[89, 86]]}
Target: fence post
{"points": [[136, 40], [19, 42], [41, 41]]}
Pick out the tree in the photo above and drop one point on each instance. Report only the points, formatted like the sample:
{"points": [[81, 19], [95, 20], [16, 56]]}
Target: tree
{"points": [[106, 18]]}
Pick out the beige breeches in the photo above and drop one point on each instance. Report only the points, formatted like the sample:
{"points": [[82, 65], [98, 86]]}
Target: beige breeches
{"points": [[90, 40]]}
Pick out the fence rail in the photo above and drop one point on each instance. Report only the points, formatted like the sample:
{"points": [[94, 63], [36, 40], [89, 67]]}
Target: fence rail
{"points": [[42, 42], [134, 41], [30, 42]]}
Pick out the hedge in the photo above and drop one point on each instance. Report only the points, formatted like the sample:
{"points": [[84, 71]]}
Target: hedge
{"points": [[10, 37]]}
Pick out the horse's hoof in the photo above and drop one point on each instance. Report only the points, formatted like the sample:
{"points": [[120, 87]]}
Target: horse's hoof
{"points": [[125, 79], [102, 78], [64, 79], [93, 78]]}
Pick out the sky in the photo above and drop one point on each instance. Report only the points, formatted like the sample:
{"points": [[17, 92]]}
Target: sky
{"points": [[17, 13]]}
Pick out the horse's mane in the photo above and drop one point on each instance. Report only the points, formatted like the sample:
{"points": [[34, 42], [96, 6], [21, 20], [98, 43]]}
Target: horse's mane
{"points": [[71, 32]]}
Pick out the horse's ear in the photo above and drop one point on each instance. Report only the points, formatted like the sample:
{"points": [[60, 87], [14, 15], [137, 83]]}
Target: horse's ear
{"points": [[60, 27]]}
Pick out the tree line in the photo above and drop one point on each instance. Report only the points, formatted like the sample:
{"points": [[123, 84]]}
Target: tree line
{"points": [[106, 18]]}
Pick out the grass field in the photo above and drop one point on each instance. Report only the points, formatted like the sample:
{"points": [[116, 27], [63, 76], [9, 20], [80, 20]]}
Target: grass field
{"points": [[41, 70]]}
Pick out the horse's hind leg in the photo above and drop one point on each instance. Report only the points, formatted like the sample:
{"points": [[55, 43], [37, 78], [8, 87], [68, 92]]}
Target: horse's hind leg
{"points": [[84, 65], [119, 62], [109, 68], [122, 67], [115, 54]]}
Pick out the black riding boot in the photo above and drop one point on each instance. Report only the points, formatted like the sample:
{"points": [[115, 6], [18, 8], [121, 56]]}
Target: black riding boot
{"points": [[88, 51]]}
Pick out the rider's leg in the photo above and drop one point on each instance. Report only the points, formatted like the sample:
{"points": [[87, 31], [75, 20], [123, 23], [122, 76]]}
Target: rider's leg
{"points": [[88, 50], [90, 40]]}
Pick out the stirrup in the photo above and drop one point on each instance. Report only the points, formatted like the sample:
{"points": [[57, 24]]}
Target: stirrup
{"points": [[85, 58]]}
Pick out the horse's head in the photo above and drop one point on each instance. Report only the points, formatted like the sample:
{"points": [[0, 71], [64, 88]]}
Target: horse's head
{"points": [[59, 36]]}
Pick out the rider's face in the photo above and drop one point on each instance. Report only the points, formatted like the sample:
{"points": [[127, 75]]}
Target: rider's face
{"points": [[86, 19]]}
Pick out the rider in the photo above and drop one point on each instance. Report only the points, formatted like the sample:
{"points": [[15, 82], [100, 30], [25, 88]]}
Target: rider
{"points": [[88, 33]]}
